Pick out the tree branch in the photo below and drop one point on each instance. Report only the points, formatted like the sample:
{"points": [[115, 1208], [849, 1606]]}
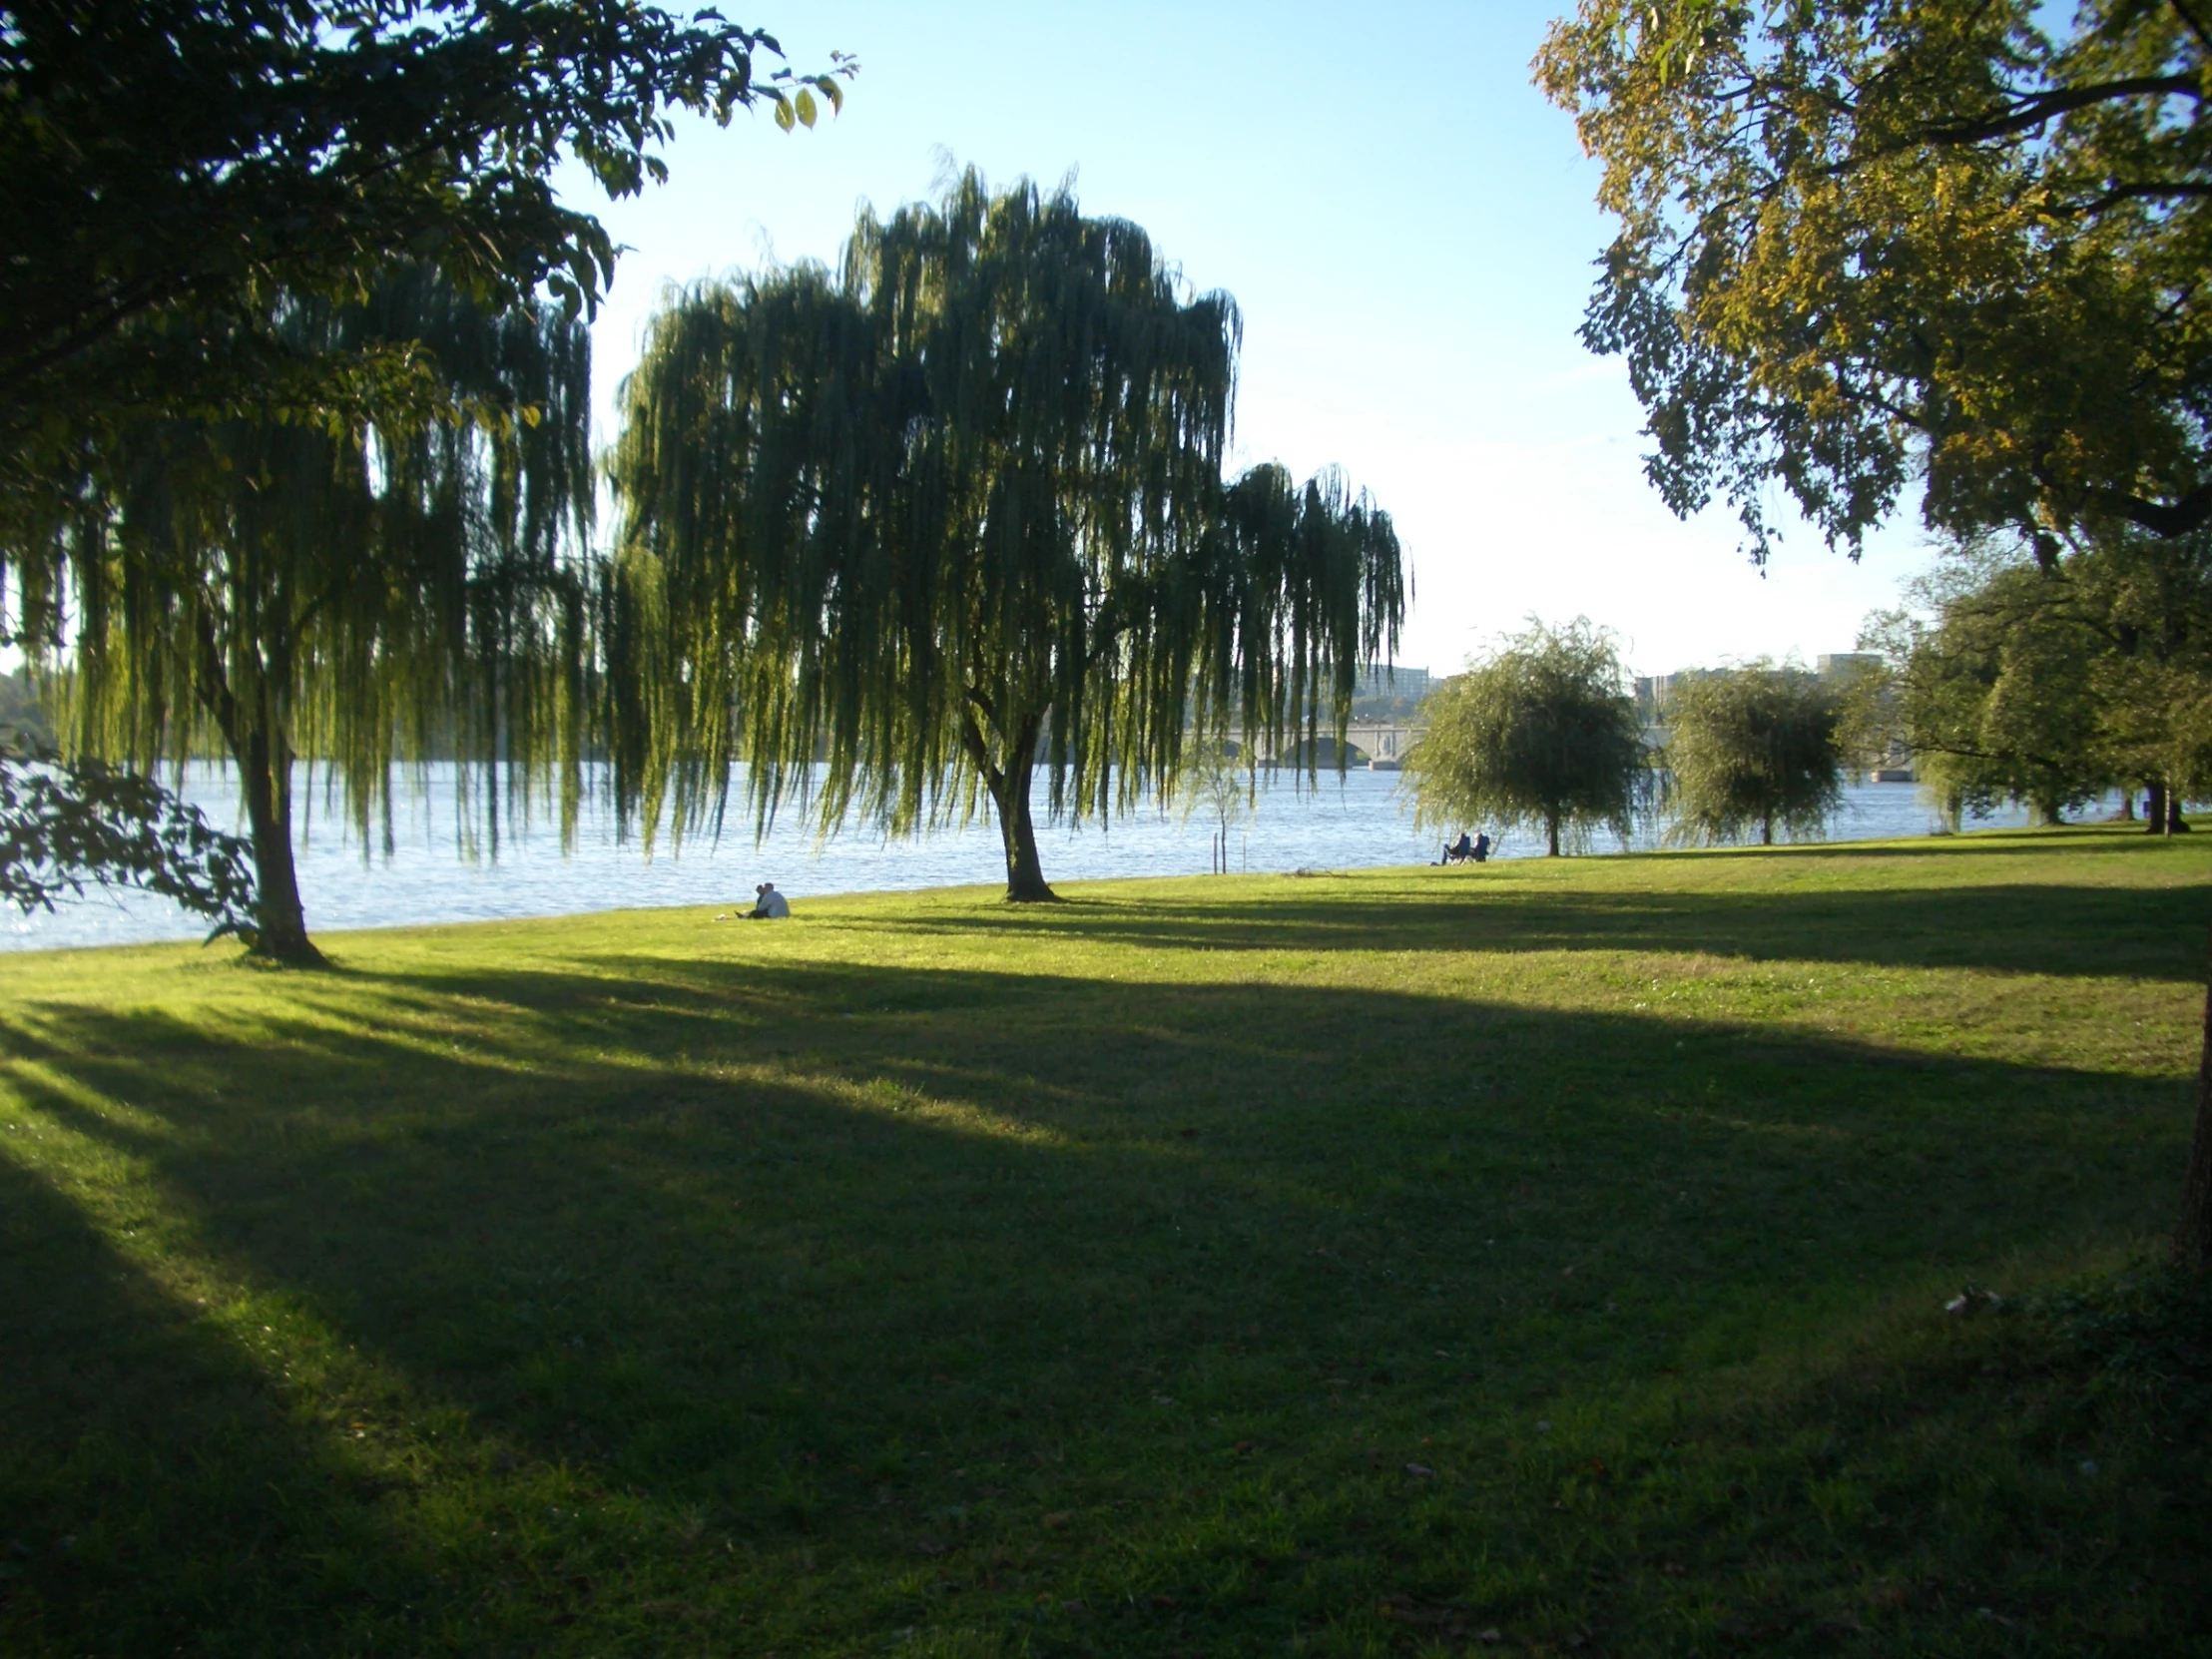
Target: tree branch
{"points": [[2035, 109]]}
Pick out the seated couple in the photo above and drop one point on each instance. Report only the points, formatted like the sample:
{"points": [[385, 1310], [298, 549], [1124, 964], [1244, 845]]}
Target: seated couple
{"points": [[1466, 850]]}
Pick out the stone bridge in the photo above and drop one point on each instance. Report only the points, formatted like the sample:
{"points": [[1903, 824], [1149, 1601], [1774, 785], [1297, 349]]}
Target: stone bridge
{"points": [[1381, 745], [1384, 743]]}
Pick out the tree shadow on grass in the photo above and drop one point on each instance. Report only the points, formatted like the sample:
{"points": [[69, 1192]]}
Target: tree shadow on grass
{"points": [[157, 1492], [2081, 931], [2071, 841], [764, 1251]]}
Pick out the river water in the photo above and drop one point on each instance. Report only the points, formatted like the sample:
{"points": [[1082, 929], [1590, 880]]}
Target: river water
{"points": [[1361, 819]]}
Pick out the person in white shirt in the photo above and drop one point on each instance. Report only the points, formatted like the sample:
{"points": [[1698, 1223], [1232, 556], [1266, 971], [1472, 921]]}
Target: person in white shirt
{"points": [[768, 904]]}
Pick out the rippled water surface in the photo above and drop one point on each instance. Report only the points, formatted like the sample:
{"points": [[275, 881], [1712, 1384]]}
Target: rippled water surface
{"points": [[1363, 819]]}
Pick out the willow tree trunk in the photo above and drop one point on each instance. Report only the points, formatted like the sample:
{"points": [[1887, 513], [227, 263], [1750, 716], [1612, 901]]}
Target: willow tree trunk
{"points": [[282, 923], [257, 743], [1025, 883], [2193, 1235], [1551, 835], [2154, 809]]}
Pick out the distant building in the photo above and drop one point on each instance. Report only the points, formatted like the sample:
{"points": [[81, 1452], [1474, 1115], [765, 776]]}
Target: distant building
{"points": [[1843, 664], [1654, 689], [1378, 680]]}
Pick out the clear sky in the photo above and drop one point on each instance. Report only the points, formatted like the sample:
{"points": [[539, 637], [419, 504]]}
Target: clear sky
{"points": [[1407, 225]]}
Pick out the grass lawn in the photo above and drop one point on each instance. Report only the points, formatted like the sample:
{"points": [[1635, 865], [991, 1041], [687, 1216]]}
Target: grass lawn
{"points": [[1544, 1257]]}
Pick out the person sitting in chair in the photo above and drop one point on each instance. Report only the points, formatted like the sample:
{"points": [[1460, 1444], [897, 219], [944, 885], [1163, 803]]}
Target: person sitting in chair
{"points": [[1481, 852], [1461, 851]]}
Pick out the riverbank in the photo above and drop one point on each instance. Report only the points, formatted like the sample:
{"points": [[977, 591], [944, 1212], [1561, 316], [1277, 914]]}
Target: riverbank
{"points": [[1333, 1264], [1361, 819]]}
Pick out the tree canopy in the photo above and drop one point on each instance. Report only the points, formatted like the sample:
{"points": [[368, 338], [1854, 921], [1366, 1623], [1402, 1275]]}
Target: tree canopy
{"points": [[355, 594], [177, 164], [2049, 686], [1866, 243], [67, 824], [289, 444], [1541, 732], [957, 512], [1752, 749]]}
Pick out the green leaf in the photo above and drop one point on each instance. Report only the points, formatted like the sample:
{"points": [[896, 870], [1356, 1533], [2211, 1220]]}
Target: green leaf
{"points": [[784, 115], [804, 103]]}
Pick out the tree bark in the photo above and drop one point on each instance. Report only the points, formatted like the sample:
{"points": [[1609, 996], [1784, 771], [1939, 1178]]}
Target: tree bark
{"points": [[1025, 884], [1008, 787], [264, 772], [1766, 831], [282, 923], [2192, 1246], [1551, 835], [2154, 809]]}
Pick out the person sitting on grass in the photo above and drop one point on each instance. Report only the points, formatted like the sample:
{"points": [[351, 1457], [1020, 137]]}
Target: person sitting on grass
{"points": [[768, 904]]}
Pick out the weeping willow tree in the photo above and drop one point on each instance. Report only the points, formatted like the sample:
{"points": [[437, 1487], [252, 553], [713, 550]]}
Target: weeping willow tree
{"points": [[1541, 732], [899, 536], [390, 584], [1753, 750]]}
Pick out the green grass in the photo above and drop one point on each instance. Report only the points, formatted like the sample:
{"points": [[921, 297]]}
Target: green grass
{"points": [[1357, 1264]]}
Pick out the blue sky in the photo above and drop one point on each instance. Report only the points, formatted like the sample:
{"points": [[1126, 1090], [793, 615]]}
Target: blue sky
{"points": [[1405, 224]]}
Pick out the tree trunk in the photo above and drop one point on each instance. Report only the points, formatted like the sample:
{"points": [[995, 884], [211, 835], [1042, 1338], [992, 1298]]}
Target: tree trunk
{"points": [[2193, 1235], [1010, 794], [2176, 824], [2154, 809], [257, 743], [283, 926], [1551, 835], [1766, 831]]}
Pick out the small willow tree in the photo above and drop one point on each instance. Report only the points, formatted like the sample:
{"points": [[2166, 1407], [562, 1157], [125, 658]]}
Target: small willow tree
{"points": [[957, 513], [1543, 731], [389, 584], [1752, 749]]}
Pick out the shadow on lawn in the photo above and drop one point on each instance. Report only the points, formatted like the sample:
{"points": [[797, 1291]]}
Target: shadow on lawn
{"points": [[143, 1448], [2117, 933], [749, 1238]]}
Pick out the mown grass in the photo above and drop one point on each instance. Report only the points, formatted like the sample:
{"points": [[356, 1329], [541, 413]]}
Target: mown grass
{"points": [[1537, 1257]]}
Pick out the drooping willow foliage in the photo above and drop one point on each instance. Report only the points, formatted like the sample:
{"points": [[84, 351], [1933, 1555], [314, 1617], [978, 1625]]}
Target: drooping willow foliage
{"points": [[1541, 732], [957, 512], [1753, 750], [397, 583]]}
